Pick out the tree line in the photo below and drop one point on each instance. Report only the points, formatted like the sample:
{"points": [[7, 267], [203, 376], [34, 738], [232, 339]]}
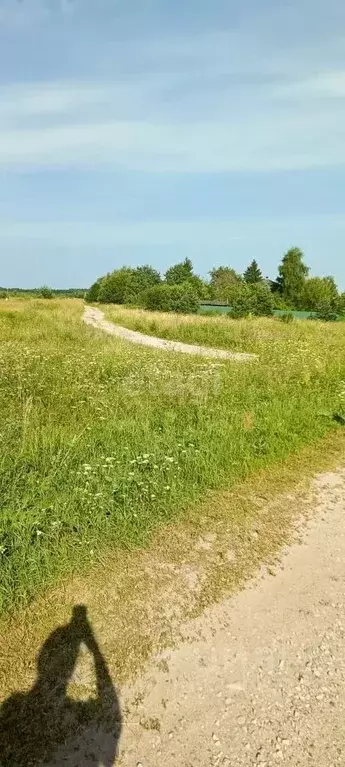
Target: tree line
{"points": [[181, 290]]}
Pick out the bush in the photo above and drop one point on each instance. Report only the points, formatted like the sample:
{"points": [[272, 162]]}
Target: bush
{"points": [[263, 300], [254, 299], [325, 312], [45, 292], [171, 298], [123, 286], [92, 295], [287, 317], [242, 302], [280, 303], [3, 294], [116, 286]]}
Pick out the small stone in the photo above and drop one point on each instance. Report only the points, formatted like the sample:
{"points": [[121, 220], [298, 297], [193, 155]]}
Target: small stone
{"points": [[241, 720]]}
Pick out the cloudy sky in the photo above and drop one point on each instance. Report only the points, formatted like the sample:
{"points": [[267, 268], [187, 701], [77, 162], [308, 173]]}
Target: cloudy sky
{"points": [[145, 131]]}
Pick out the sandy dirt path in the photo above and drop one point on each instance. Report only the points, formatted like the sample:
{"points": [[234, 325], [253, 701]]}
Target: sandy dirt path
{"points": [[95, 318], [260, 677]]}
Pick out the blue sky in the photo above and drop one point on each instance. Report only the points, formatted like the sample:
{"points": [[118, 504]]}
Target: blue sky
{"points": [[145, 131]]}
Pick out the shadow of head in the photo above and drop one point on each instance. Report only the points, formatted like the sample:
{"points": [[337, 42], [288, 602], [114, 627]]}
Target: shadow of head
{"points": [[33, 725]]}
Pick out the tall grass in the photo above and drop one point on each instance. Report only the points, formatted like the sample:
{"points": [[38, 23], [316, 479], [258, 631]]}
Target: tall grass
{"points": [[252, 334], [103, 440]]}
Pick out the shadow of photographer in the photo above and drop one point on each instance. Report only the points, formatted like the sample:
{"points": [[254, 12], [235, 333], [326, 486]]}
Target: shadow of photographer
{"points": [[37, 724]]}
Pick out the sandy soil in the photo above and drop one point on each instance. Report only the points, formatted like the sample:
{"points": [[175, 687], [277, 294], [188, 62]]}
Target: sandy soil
{"points": [[259, 679], [95, 317]]}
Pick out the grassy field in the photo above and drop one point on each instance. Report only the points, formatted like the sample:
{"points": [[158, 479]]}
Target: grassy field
{"points": [[252, 334], [102, 440]]}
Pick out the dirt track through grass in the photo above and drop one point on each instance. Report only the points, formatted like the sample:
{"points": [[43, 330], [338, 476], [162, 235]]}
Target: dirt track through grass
{"points": [[95, 317]]}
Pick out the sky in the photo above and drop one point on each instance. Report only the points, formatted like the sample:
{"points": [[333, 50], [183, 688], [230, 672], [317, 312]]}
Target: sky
{"points": [[146, 131]]}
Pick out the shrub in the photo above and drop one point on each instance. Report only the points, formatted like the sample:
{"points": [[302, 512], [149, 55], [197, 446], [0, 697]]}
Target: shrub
{"points": [[3, 294], [116, 286], [242, 302], [92, 295], [262, 300], [123, 286], [254, 299], [45, 292], [280, 303], [325, 312], [171, 298], [287, 317]]}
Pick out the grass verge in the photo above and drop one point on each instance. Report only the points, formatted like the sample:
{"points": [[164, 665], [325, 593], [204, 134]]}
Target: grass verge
{"points": [[104, 442], [253, 334], [138, 600]]}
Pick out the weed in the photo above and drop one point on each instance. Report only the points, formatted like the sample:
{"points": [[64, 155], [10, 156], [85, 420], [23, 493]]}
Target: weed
{"points": [[103, 441]]}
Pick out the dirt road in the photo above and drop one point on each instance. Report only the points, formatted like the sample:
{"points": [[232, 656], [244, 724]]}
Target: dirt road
{"points": [[95, 317], [260, 678]]}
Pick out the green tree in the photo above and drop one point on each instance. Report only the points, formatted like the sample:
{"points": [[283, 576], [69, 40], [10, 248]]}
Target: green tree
{"points": [[199, 286], [253, 274], [320, 291], [92, 294], [341, 304], [334, 290], [145, 277], [179, 273], [241, 301], [252, 299], [124, 285], [263, 300], [45, 292], [292, 276], [116, 286], [222, 279]]}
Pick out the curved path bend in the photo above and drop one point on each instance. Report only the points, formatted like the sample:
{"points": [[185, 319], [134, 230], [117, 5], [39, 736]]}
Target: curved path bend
{"points": [[95, 317]]}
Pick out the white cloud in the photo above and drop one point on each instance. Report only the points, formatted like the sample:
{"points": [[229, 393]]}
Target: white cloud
{"points": [[56, 98], [281, 140], [212, 109], [320, 86]]}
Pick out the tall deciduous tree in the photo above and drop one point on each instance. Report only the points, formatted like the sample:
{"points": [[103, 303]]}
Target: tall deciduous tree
{"points": [[292, 277], [223, 278], [320, 290], [253, 274]]}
